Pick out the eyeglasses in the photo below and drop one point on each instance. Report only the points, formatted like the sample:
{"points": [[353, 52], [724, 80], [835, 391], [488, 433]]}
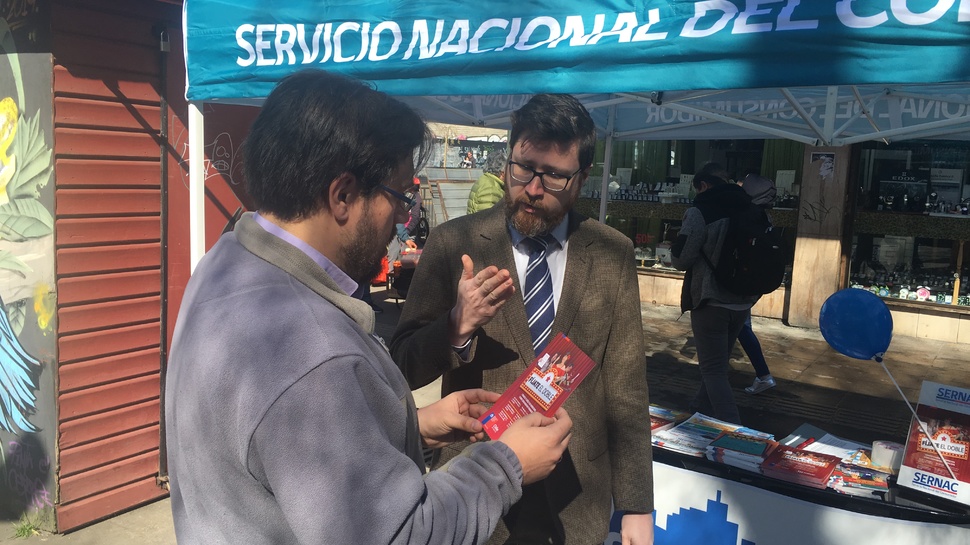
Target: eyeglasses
{"points": [[407, 201], [550, 181]]}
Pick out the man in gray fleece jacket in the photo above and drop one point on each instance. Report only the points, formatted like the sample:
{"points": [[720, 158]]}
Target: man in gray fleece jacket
{"points": [[287, 421]]}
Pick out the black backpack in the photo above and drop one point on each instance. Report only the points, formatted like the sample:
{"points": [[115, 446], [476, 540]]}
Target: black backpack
{"points": [[754, 255]]}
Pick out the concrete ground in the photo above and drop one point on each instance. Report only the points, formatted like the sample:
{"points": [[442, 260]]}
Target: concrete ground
{"points": [[850, 398]]}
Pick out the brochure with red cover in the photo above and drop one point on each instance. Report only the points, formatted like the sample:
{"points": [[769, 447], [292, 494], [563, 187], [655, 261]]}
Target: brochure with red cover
{"points": [[800, 466], [662, 418], [543, 387]]}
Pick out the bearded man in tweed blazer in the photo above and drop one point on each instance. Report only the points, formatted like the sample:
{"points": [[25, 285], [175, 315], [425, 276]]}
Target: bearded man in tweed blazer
{"points": [[465, 320]]}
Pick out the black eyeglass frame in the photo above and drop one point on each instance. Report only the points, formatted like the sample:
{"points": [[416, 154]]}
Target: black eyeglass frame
{"points": [[406, 201], [542, 180]]}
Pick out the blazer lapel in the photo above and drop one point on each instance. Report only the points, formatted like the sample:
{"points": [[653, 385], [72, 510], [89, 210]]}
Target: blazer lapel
{"points": [[497, 250], [576, 280]]}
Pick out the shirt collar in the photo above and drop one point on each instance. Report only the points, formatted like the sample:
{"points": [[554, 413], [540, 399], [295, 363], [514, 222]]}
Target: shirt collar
{"points": [[344, 282]]}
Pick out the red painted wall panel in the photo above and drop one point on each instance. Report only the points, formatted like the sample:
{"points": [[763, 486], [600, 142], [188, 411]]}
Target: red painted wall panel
{"points": [[103, 259], [87, 84], [89, 289], [89, 373], [107, 397], [106, 342], [78, 142], [81, 111], [96, 427], [73, 515], [107, 202], [108, 89], [103, 173], [108, 230], [108, 314], [113, 475], [92, 231], [85, 457]]}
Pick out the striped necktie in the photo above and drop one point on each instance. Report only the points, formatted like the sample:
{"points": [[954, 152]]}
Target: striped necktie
{"points": [[539, 306]]}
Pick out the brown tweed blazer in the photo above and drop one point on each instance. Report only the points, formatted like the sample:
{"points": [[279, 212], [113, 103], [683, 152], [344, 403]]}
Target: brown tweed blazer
{"points": [[609, 454]]}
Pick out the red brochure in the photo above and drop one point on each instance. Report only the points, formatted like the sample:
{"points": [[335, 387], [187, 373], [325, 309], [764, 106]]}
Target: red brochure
{"points": [[543, 387]]}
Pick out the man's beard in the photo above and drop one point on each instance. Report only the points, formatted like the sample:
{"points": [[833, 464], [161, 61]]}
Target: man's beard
{"points": [[363, 258], [538, 223]]}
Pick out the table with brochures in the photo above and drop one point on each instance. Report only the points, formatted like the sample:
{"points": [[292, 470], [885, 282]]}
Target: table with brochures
{"points": [[715, 478], [898, 503]]}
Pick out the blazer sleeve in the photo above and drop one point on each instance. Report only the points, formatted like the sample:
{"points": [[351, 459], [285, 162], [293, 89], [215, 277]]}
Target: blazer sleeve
{"points": [[628, 401], [419, 346]]}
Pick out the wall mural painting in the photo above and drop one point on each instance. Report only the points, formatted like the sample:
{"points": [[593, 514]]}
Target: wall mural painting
{"points": [[27, 299]]}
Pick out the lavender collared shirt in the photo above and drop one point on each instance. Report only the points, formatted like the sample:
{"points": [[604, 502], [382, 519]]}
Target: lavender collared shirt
{"points": [[344, 282]]}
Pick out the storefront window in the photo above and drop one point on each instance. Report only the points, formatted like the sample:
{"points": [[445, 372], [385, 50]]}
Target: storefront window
{"points": [[650, 187], [911, 222]]}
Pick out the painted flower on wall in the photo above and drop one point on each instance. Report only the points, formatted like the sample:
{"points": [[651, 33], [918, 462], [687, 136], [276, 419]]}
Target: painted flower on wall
{"points": [[27, 168], [19, 220], [8, 129], [26, 241]]}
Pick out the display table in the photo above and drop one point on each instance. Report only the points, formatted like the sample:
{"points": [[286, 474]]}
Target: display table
{"points": [[700, 501]]}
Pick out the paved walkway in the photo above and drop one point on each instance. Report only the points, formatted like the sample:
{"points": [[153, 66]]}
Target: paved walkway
{"points": [[851, 398]]}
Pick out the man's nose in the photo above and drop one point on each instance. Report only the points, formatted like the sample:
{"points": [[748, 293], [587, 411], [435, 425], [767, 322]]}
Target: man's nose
{"points": [[534, 187]]}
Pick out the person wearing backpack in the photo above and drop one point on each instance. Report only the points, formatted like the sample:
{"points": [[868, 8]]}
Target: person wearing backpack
{"points": [[762, 192], [716, 314]]}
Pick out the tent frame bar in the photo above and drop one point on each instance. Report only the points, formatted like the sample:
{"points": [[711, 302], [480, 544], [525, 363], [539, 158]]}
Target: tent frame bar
{"points": [[197, 170]]}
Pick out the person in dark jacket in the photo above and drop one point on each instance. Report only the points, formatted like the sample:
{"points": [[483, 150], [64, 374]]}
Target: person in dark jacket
{"points": [[716, 315], [762, 192]]}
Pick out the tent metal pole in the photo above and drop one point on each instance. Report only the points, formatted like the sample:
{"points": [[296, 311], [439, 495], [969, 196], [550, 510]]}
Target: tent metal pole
{"points": [[196, 184], [828, 118], [607, 155], [917, 129], [801, 112]]}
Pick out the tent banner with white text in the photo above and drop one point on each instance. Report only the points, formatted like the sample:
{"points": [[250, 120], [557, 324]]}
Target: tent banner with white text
{"points": [[238, 50]]}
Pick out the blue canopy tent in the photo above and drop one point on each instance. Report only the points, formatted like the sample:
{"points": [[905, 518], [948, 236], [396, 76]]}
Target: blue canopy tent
{"points": [[825, 72]]}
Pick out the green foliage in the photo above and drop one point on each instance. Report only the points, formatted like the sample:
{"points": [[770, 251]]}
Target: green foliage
{"points": [[34, 164], [11, 262], [22, 219], [17, 315], [25, 527]]}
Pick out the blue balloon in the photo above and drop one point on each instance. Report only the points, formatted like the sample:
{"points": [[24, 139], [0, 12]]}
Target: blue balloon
{"points": [[857, 323]]}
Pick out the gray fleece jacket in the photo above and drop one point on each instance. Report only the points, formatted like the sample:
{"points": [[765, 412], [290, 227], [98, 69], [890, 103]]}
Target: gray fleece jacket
{"points": [[287, 422], [702, 233]]}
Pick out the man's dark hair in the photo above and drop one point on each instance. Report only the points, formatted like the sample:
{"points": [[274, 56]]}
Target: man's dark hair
{"points": [[707, 178], [557, 119], [315, 126], [496, 162]]}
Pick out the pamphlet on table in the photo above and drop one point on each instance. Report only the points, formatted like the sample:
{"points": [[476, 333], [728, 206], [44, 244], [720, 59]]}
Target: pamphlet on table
{"points": [[662, 418], [693, 435], [945, 411]]}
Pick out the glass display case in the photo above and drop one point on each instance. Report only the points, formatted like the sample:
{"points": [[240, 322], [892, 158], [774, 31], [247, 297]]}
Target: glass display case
{"points": [[911, 223]]}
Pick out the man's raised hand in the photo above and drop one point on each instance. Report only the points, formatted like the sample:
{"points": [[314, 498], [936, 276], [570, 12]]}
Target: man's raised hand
{"points": [[480, 295]]}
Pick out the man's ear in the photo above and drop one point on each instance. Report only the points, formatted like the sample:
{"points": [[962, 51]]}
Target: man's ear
{"points": [[341, 195], [580, 179]]}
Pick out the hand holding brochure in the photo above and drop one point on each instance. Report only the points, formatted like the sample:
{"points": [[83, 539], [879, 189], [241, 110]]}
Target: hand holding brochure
{"points": [[543, 387]]}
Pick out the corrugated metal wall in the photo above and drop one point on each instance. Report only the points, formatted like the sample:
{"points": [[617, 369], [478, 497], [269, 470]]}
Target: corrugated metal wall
{"points": [[107, 78]]}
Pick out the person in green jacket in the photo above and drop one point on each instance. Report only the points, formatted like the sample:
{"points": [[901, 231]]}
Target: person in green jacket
{"points": [[490, 187]]}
